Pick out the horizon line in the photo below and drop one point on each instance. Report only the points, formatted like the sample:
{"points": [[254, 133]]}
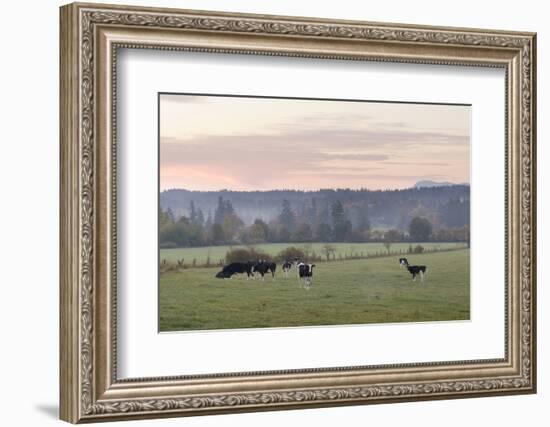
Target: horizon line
{"points": [[221, 190]]}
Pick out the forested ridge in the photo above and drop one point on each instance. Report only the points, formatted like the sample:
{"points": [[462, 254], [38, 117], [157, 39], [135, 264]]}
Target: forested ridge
{"points": [[198, 218]]}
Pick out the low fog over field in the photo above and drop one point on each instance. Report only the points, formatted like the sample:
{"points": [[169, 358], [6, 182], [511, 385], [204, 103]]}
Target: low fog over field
{"points": [[218, 217]]}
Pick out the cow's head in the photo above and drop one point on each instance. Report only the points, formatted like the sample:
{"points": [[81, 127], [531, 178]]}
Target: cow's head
{"points": [[223, 275]]}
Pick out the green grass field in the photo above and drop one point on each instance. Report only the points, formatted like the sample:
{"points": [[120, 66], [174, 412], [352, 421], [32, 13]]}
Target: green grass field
{"points": [[373, 290], [216, 253]]}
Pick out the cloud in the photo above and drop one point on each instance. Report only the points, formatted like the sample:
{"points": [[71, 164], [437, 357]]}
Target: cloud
{"points": [[254, 162], [312, 150], [357, 156], [328, 139]]}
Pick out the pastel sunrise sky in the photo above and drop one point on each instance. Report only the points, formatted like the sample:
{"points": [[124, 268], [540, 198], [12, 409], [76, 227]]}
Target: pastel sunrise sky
{"points": [[236, 143]]}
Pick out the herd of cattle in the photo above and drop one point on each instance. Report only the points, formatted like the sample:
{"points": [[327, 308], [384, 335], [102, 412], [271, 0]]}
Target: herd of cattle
{"points": [[263, 267], [305, 271]]}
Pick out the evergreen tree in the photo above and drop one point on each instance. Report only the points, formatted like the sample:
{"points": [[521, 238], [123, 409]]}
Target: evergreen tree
{"points": [[323, 232], [220, 211], [208, 222], [224, 209], [337, 213], [287, 217], [228, 208], [200, 217], [171, 215], [324, 215], [311, 212], [192, 213], [341, 227]]}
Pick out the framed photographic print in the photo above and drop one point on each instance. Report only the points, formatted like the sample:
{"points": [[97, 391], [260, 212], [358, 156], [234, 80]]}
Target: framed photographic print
{"points": [[265, 212]]}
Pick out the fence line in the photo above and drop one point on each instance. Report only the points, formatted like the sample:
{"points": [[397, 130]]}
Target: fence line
{"points": [[170, 266]]}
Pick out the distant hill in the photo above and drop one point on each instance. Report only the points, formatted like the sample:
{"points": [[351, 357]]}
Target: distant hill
{"points": [[428, 184]]}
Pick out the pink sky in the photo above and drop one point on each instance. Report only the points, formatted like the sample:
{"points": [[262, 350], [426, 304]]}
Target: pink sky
{"points": [[213, 143]]}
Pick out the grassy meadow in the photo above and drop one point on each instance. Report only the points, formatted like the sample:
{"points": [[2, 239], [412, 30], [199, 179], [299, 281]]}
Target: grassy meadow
{"points": [[375, 290], [217, 253]]}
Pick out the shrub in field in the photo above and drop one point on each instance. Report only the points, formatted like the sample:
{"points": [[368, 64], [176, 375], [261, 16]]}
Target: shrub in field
{"points": [[246, 254], [169, 266], [418, 249], [290, 253]]}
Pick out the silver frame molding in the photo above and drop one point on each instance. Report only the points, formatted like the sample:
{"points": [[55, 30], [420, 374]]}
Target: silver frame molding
{"points": [[90, 37]]}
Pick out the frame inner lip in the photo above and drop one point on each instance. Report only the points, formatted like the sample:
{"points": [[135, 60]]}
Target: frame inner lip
{"points": [[288, 372]]}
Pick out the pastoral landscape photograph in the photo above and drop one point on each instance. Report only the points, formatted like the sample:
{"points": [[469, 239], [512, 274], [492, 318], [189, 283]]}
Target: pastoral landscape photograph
{"points": [[291, 212]]}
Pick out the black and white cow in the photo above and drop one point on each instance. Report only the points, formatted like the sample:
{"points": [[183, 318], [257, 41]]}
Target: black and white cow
{"points": [[415, 270], [234, 268], [287, 266], [305, 271], [263, 266]]}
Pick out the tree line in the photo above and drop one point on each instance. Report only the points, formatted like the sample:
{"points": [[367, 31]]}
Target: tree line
{"points": [[290, 225], [447, 206]]}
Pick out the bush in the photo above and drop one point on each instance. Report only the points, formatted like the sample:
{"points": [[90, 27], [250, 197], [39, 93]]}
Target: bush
{"points": [[418, 249], [288, 254], [168, 266], [245, 255]]}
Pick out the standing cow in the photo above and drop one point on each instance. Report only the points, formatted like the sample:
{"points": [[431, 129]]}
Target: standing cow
{"points": [[263, 266], [305, 271], [287, 266]]}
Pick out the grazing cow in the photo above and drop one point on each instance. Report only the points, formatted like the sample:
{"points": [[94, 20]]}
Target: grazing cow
{"points": [[305, 271], [263, 267], [287, 266], [415, 270], [236, 267]]}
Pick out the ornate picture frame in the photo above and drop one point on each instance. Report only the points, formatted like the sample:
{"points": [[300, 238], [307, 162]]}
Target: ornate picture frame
{"points": [[90, 37]]}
